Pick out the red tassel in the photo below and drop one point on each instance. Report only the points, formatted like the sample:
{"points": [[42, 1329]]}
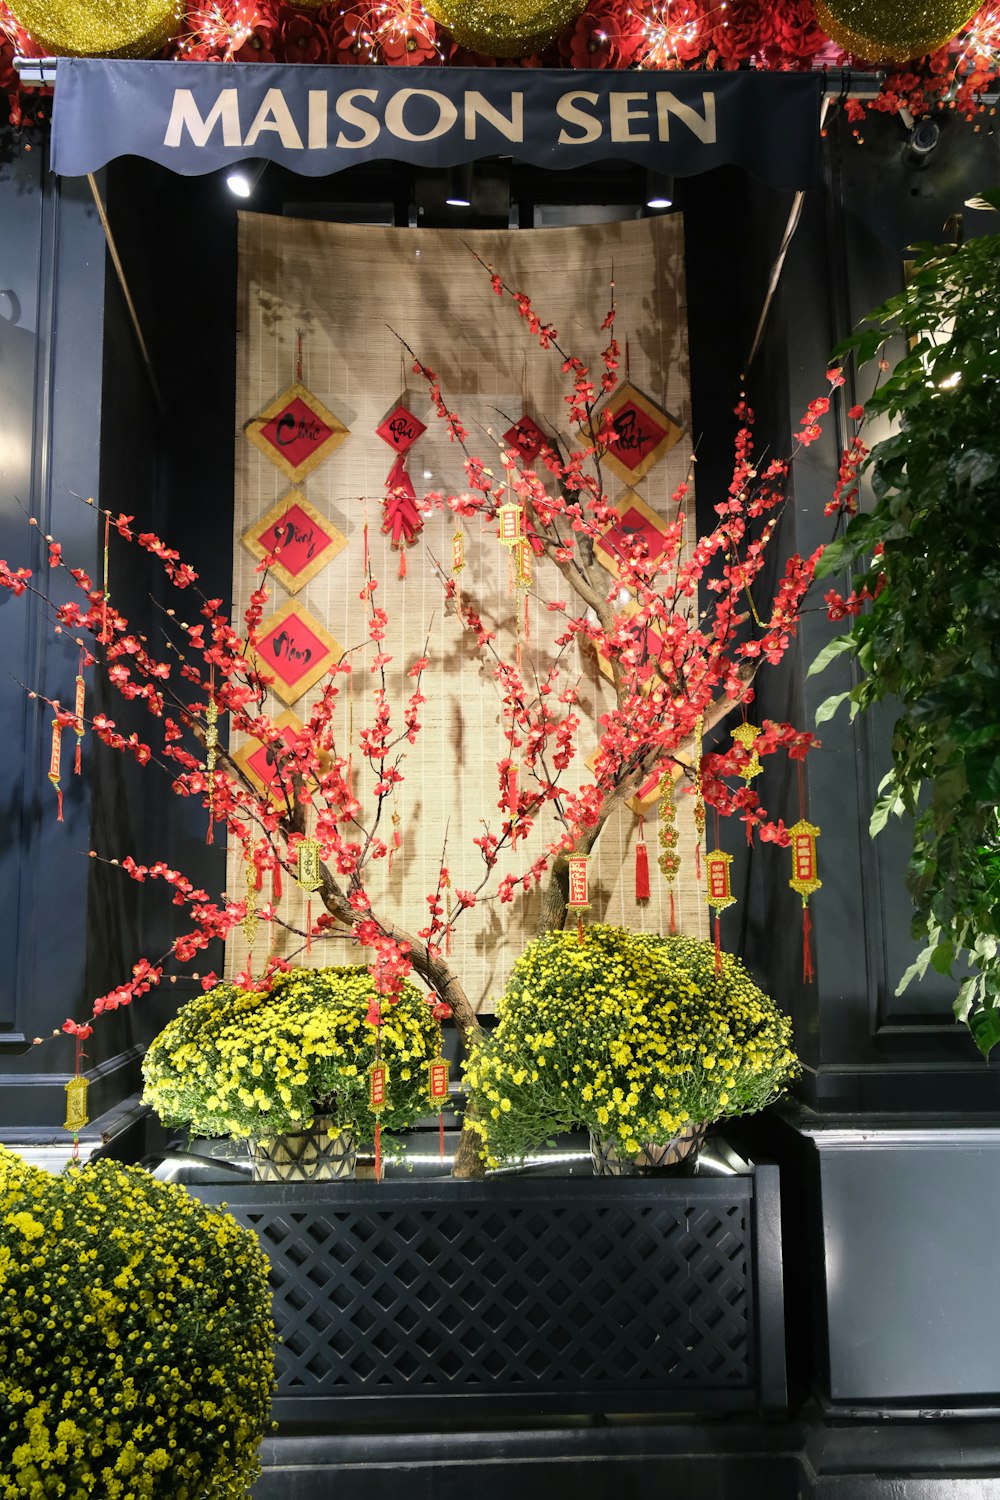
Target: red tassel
{"points": [[366, 550], [441, 1137], [517, 655], [447, 941], [641, 868], [512, 792], [276, 883], [378, 1151], [210, 831], [718, 943], [808, 971], [401, 570], [59, 795], [673, 915], [527, 620], [309, 925], [259, 882], [579, 930], [78, 758], [697, 861]]}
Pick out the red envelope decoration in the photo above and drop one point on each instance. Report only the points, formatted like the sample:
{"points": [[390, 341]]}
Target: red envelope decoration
{"points": [[296, 432], [642, 433], [526, 437], [260, 762], [296, 650], [400, 429], [300, 538], [635, 520]]}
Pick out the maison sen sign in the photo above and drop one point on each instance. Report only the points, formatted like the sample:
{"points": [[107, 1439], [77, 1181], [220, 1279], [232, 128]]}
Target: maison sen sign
{"points": [[198, 117]]}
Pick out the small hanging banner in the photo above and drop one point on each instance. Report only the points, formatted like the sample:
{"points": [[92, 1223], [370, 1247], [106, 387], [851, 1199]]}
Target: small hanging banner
{"points": [[308, 875], [211, 754], [378, 1087], [81, 691], [579, 898], [438, 1080], [509, 530], [458, 552], [804, 882], [719, 894], [76, 1104], [55, 763]]}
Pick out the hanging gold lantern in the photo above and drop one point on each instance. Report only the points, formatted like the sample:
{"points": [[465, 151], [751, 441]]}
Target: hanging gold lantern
{"points": [[893, 30]]}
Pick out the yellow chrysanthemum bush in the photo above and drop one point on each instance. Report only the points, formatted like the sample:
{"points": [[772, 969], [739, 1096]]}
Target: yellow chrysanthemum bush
{"points": [[242, 1063], [629, 1035], [136, 1341]]}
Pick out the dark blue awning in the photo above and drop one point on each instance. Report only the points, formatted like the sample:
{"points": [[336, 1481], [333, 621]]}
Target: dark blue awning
{"points": [[198, 117]]}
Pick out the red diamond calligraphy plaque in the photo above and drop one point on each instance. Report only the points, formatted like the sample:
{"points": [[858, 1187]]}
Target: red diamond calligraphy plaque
{"points": [[300, 538], [642, 433], [295, 649], [296, 432], [526, 437], [400, 429], [262, 763], [636, 523]]}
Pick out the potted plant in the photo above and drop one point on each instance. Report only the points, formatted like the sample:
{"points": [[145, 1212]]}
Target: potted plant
{"points": [[289, 1069], [640, 1039], [136, 1341]]}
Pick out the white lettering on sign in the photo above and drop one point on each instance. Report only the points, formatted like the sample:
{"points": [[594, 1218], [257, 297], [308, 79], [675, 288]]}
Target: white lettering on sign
{"points": [[447, 115], [703, 126], [630, 116], [275, 115], [566, 109], [622, 115], [319, 104], [351, 114], [184, 114], [476, 105]]}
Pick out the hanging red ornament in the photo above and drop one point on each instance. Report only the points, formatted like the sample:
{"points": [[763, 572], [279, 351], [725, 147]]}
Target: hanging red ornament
{"points": [[804, 882], [310, 878], [400, 428], [401, 520], [525, 437], [437, 1088], [641, 864], [76, 1104]]}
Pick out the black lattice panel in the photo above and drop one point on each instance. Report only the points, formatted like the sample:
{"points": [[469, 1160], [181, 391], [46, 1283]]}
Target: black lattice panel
{"points": [[618, 1292]]}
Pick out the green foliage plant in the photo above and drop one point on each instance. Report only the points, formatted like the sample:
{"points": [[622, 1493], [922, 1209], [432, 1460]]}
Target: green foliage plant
{"points": [[629, 1035], [925, 605], [136, 1341], [244, 1063]]}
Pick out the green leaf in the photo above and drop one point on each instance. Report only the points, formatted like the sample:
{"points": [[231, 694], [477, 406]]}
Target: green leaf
{"points": [[883, 810], [985, 1028], [829, 707], [830, 651]]}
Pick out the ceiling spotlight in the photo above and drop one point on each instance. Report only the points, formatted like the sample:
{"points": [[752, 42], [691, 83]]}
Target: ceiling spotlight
{"points": [[659, 190], [458, 189], [241, 180], [921, 143]]}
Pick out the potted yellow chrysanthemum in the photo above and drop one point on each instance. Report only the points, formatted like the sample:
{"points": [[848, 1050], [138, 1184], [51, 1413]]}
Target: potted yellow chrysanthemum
{"points": [[640, 1039], [289, 1070], [136, 1338]]}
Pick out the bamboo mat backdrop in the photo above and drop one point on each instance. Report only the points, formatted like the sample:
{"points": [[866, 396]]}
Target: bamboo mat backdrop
{"points": [[343, 287]]}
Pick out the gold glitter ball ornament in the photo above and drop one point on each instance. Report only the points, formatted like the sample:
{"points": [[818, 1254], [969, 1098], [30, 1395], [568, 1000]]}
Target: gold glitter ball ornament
{"points": [[893, 30], [99, 28], [510, 28]]}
